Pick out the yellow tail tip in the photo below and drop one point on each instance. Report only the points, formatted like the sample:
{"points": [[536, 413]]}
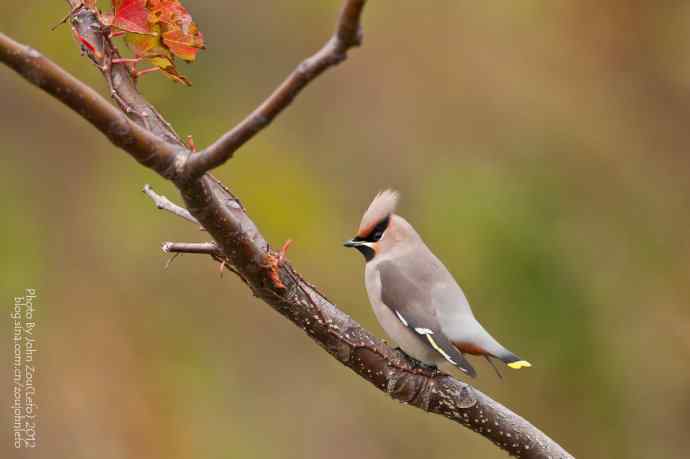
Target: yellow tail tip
{"points": [[519, 364]]}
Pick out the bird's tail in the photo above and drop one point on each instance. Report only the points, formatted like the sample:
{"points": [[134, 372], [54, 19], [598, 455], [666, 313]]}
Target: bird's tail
{"points": [[512, 360]]}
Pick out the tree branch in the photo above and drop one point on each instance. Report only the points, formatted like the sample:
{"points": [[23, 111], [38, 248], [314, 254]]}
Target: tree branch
{"points": [[240, 243], [141, 144], [164, 203], [347, 35], [121, 84]]}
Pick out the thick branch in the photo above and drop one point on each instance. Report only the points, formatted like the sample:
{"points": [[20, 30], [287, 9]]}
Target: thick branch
{"points": [[273, 280], [347, 35], [145, 147]]}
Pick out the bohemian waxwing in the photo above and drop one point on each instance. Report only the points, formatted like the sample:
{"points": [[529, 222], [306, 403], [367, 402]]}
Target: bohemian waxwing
{"points": [[415, 299]]}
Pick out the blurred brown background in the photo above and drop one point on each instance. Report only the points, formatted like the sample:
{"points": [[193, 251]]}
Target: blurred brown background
{"points": [[542, 151]]}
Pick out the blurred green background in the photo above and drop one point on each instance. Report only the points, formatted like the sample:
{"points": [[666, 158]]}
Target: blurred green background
{"points": [[541, 149]]}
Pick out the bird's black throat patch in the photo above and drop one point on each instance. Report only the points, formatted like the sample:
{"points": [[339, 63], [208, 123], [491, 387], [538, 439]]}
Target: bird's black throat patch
{"points": [[368, 252]]}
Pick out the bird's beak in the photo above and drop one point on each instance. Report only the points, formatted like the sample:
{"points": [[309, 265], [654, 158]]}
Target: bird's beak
{"points": [[363, 247], [355, 244]]}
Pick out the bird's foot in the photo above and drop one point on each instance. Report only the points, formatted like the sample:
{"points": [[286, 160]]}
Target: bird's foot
{"points": [[419, 367], [426, 369]]}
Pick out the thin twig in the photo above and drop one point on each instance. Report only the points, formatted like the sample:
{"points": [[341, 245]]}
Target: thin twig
{"points": [[170, 260], [164, 203], [202, 248], [199, 248], [74, 9], [347, 35]]}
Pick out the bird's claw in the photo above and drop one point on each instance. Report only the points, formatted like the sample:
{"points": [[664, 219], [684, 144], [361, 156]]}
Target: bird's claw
{"points": [[419, 367]]}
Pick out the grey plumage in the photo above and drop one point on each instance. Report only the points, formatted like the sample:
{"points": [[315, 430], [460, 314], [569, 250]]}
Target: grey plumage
{"points": [[416, 300], [414, 308]]}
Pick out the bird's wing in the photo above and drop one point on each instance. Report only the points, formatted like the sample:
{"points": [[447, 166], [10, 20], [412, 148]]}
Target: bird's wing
{"points": [[412, 305]]}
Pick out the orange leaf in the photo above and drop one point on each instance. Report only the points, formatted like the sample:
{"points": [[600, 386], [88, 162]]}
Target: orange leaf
{"points": [[147, 45], [168, 69], [183, 45], [180, 32], [169, 11], [143, 45]]}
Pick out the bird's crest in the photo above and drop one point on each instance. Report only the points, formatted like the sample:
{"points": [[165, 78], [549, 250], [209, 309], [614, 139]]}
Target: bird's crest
{"points": [[381, 207]]}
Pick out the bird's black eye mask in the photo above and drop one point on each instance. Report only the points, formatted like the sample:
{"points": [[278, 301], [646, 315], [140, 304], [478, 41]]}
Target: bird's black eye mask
{"points": [[362, 243], [376, 233]]}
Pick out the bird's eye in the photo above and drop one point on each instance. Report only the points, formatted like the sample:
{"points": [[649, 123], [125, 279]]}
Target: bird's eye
{"points": [[378, 230]]}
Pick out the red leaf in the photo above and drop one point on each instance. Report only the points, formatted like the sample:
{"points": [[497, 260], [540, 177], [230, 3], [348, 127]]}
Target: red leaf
{"points": [[131, 16], [158, 30]]}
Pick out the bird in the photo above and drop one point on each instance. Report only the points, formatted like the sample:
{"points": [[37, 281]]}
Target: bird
{"points": [[415, 298]]}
